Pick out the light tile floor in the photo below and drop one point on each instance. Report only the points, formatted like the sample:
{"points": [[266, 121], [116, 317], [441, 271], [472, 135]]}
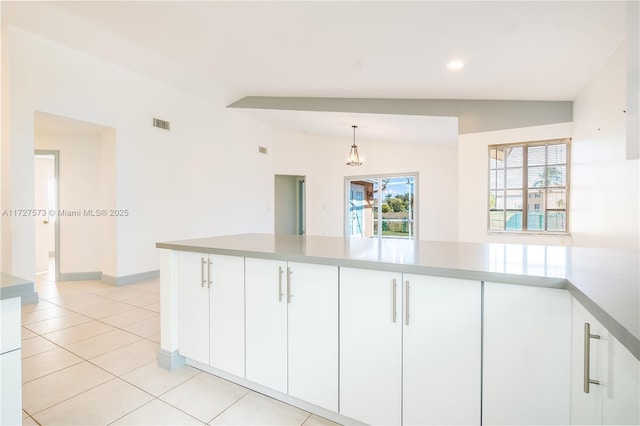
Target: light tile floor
{"points": [[89, 358]]}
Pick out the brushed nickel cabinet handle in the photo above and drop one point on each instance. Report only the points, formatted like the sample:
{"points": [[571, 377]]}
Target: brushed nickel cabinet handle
{"points": [[202, 271], [406, 305], [394, 309], [280, 293], [587, 357]]}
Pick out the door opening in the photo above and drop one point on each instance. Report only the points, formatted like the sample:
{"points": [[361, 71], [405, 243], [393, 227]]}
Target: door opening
{"points": [[381, 206], [289, 205], [47, 230]]}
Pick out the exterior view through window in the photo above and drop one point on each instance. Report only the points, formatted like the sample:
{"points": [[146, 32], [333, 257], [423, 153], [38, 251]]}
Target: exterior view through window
{"points": [[528, 186], [381, 206]]}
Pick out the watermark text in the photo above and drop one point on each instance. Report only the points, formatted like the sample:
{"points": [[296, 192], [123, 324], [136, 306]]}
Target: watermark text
{"points": [[65, 212]]}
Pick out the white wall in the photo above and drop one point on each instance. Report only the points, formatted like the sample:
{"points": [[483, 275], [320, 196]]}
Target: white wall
{"points": [[604, 184], [80, 188], [204, 177], [633, 79], [322, 161]]}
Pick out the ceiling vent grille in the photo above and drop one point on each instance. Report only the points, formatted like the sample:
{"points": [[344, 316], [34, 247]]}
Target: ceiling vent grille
{"points": [[161, 124]]}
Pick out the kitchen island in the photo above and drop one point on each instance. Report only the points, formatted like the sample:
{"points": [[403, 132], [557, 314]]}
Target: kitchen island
{"points": [[370, 329]]}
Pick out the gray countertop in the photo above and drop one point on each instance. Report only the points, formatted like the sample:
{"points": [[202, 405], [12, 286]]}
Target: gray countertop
{"points": [[11, 286], [605, 281]]}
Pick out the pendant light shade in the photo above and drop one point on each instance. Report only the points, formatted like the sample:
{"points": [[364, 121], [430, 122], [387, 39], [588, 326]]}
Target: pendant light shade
{"points": [[354, 158]]}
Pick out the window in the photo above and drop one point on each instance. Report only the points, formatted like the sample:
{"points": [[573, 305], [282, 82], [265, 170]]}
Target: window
{"points": [[528, 186], [381, 206]]}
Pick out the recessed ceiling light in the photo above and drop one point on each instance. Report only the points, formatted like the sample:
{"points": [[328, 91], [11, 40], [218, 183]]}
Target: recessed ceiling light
{"points": [[455, 65]]}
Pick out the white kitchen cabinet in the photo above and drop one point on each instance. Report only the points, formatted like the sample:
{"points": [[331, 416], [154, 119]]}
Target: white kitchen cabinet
{"points": [[586, 408], [410, 348], [10, 320], [11, 388], [226, 314], [292, 329], [10, 362], [193, 306], [426, 372], [526, 355], [371, 346], [313, 334], [266, 323], [211, 310], [621, 393], [441, 351], [616, 398]]}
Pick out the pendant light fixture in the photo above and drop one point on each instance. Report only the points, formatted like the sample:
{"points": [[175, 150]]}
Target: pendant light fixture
{"points": [[354, 158]]}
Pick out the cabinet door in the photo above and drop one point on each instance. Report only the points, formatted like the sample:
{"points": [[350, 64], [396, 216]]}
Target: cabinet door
{"points": [[227, 313], [441, 354], [10, 310], [586, 408], [527, 355], [266, 323], [616, 400], [193, 306], [371, 345], [621, 387], [11, 388], [313, 334]]}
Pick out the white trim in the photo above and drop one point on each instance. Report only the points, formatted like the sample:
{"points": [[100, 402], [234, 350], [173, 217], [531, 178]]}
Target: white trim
{"points": [[130, 279], [79, 276], [170, 360]]}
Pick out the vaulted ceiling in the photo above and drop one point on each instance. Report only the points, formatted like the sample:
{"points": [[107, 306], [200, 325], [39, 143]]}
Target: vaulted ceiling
{"points": [[226, 50]]}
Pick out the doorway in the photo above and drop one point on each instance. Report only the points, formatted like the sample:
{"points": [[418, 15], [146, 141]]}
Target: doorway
{"points": [[85, 244], [46, 168], [289, 205], [383, 206]]}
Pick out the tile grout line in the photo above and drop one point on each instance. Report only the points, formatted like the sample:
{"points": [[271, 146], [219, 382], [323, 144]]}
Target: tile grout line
{"points": [[120, 376], [114, 376], [230, 405], [98, 320]]}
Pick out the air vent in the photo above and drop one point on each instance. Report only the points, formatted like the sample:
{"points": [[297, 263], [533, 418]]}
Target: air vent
{"points": [[161, 124]]}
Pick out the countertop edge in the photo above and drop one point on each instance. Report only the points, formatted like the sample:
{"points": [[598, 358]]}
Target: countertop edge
{"points": [[624, 336], [499, 277], [12, 286], [628, 340]]}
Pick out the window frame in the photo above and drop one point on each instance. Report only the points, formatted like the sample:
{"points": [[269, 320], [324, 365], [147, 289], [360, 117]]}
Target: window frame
{"points": [[525, 187]]}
